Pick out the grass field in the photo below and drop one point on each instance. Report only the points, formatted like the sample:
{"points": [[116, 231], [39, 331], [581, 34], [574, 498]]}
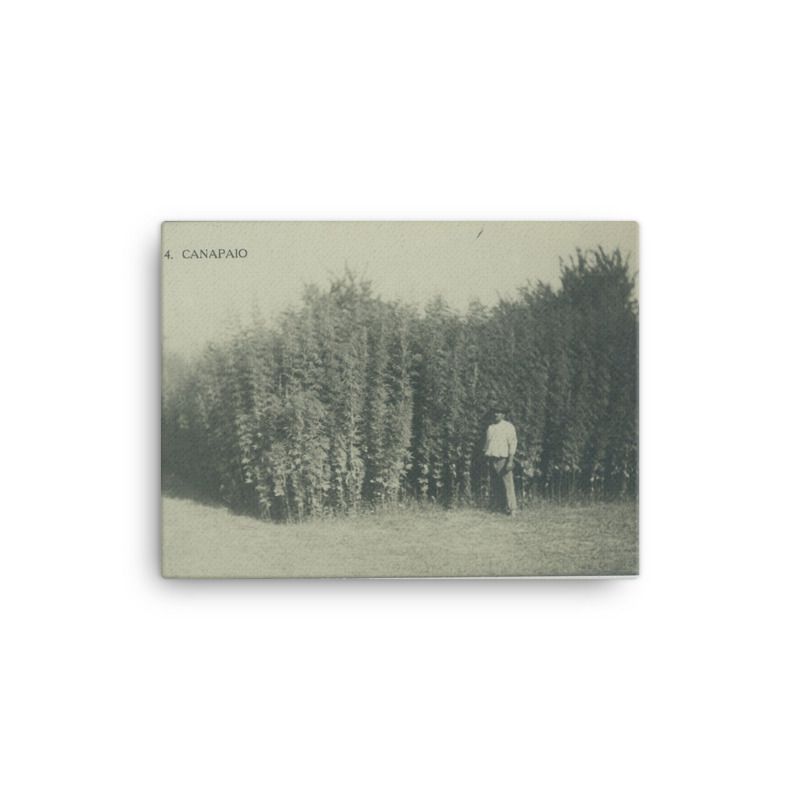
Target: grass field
{"points": [[545, 539]]}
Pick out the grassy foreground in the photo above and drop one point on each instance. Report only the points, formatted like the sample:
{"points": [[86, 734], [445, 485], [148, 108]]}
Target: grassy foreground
{"points": [[545, 539]]}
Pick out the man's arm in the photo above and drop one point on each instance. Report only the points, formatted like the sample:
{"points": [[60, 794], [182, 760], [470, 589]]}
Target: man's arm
{"points": [[512, 442]]}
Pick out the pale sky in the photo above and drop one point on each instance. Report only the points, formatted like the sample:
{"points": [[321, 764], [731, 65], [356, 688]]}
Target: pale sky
{"points": [[410, 261]]}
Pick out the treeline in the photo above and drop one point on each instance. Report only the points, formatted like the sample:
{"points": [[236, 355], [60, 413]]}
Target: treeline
{"points": [[352, 401]]}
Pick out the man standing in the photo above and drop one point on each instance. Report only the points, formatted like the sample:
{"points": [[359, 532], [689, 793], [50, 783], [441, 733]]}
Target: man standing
{"points": [[499, 449]]}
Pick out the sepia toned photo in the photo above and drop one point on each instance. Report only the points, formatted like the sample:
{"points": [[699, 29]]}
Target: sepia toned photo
{"points": [[399, 399]]}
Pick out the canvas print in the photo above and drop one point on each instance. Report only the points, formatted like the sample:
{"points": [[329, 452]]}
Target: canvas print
{"points": [[399, 399]]}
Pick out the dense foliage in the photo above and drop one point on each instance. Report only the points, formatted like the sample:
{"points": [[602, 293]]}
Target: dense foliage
{"points": [[351, 401]]}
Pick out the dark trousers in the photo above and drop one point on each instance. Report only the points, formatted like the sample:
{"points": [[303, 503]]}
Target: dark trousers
{"points": [[503, 495]]}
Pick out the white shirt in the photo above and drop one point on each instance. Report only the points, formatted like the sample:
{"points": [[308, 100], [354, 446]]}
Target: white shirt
{"points": [[501, 440]]}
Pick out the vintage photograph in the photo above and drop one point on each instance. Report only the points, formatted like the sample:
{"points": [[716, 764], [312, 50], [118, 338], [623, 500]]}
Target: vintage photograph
{"points": [[399, 399]]}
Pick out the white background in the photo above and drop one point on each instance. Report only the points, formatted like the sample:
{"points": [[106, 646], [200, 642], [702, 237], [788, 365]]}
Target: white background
{"points": [[118, 684]]}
